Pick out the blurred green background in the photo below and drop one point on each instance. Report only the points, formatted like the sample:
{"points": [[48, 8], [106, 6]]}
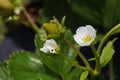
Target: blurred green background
{"points": [[102, 14]]}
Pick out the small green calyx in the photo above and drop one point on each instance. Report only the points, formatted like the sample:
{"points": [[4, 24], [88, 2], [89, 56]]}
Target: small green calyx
{"points": [[50, 28], [53, 30]]}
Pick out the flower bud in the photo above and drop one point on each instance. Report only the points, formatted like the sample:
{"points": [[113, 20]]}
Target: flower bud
{"points": [[6, 8], [51, 30], [54, 29]]}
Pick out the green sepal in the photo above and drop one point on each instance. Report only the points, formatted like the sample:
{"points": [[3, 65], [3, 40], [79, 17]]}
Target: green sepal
{"points": [[50, 28], [54, 30]]}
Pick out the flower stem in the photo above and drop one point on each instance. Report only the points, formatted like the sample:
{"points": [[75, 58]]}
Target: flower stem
{"points": [[93, 49], [79, 53], [73, 63], [111, 32], [111, 70], [62, 77], [31, 22]]}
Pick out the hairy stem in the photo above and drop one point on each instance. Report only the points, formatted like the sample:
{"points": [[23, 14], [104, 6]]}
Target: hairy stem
{"points": [[31, 22], [111, 32], [79, 53], [93, 49]]}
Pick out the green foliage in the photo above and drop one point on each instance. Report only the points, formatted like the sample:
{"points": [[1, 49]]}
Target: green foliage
{"points": [[24, 65], [107, 54], [55, 62], [74, 74], [4, 73], [84, 75]]}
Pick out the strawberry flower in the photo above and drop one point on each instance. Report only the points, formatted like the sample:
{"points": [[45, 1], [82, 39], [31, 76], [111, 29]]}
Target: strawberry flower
{"points": [[85, 35], [49, 46]]}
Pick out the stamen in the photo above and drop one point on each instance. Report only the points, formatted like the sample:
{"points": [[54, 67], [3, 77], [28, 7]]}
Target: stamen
{"points": [[52, 51], [87, 38]]}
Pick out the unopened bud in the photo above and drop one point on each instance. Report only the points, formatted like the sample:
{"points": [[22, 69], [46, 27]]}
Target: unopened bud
{"points": [[6, 8]]}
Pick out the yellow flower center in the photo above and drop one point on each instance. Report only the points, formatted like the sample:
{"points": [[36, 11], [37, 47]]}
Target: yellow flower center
{"points": [[87, 38]]}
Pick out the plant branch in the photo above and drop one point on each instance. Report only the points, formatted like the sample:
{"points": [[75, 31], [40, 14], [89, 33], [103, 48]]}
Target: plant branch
{"points": [[93, 49], [62, 77], [111, 32], [31, 22], [79, 53], [111, 70]]}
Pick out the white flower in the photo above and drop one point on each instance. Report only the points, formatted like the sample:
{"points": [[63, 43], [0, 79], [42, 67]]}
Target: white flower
{"points": [[85, 35], [49, 46]]}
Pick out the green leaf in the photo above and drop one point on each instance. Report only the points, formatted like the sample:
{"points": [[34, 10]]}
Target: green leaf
{"points": [[4, 72], [63, 21], [107, 54], [24, 65], [92, 59], [55, 62], [84, 75]]}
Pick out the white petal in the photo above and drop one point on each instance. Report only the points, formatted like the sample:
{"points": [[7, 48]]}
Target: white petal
{"points": [[91, 30], [51, 43], [49, 46], [81, 30], [85, 44], [78, 39], [44, 49]]}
